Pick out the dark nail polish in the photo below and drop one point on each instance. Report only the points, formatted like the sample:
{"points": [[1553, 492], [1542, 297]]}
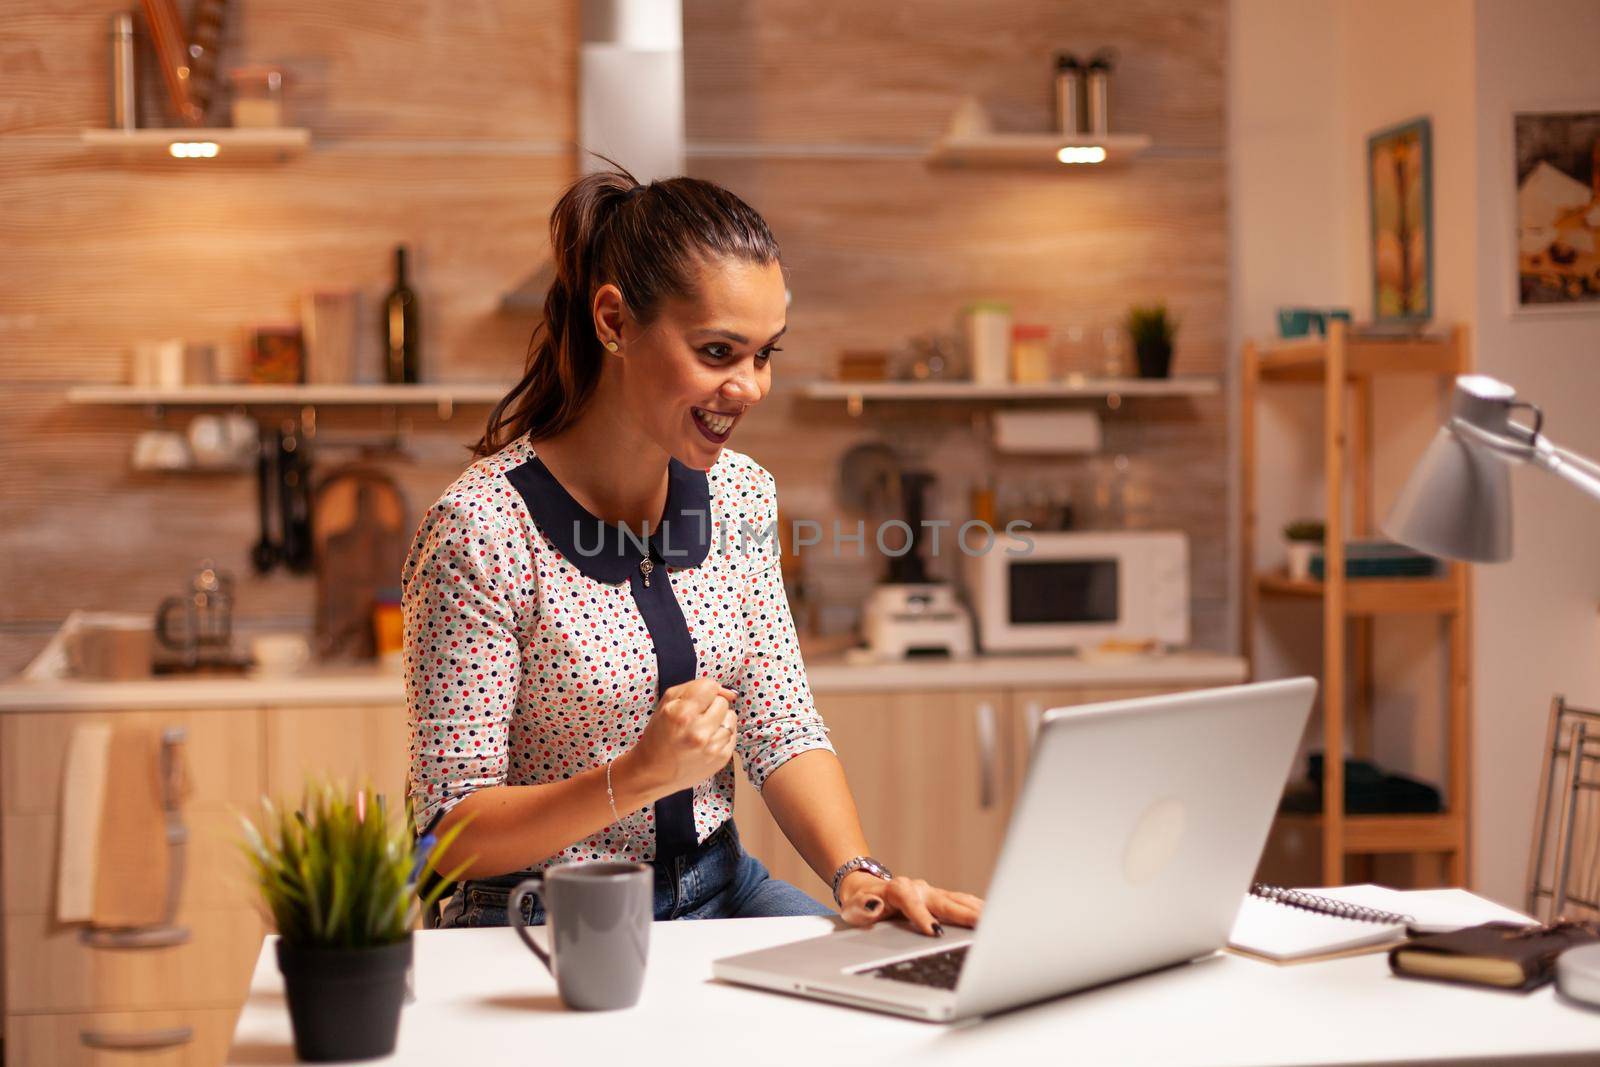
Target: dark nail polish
{"points": [[938, 931], [873, 905]]}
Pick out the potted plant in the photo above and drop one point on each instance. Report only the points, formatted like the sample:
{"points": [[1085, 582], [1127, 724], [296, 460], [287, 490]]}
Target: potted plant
{"points": [[1304, 537], [1152, 330], [339, 878]]}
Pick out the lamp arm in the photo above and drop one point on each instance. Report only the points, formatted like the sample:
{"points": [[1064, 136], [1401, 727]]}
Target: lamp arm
{"points": [[1567, 465], [1578, 461]]}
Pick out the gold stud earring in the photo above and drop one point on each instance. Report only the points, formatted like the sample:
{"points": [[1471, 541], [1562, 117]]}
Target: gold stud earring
{"points": [[611, 346]]}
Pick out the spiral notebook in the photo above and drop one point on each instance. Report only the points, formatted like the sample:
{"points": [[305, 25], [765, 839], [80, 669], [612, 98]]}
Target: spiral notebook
{"points": [[1290, 925]]}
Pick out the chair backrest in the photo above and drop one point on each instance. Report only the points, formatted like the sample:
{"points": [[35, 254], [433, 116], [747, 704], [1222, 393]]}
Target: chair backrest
{"points": [[1564, 868]]}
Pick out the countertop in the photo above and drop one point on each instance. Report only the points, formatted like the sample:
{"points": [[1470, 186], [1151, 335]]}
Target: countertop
{"points": [[481, 990], [830, 674]]}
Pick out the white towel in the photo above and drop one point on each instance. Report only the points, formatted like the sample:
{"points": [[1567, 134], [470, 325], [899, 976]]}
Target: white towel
{"points": [[83, 791]]}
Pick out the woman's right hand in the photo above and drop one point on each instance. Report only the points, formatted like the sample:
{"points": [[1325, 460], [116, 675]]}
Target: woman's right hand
{"points": [[689, 738]]}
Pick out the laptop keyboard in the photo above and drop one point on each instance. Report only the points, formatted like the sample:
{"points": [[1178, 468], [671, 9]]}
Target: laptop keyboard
{"points": [[937, 969]]}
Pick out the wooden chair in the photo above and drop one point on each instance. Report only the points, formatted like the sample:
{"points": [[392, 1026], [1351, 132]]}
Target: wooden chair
{"points": [[1564, 868]]}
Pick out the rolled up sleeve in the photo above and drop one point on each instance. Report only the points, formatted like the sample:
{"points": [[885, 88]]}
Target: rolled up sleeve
{"points": [[778, 719], [462, 654]]}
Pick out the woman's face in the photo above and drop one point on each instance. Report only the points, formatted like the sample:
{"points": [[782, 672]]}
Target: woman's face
{"points": [[689, 378]]}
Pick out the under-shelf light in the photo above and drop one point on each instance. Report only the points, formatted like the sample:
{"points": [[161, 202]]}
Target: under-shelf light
{"points": [[1082, 154], [193, 149]]}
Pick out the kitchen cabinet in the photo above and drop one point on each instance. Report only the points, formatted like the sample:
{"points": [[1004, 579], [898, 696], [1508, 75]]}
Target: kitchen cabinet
{"points": [[355, 745], [70, 1002], [935, 774]]}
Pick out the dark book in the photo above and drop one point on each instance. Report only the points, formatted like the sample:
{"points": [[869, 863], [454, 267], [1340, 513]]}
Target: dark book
{"points": [[1502, 955]]}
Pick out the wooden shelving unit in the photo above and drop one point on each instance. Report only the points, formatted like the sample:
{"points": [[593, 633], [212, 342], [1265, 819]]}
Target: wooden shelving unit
{"points": [[442, 397], [1059, 151], [1346, 369], [854, 394], [273, 144]]}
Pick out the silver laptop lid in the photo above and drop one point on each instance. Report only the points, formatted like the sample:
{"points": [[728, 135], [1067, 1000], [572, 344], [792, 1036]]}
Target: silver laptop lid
{"points": [[1134, 839]]}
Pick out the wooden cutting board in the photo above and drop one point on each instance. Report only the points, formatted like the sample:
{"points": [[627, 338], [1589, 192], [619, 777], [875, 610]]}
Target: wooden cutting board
{"points": [[358, 532]]}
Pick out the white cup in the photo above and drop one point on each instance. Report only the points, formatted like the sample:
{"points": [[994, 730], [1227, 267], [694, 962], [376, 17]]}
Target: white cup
{"points": [[279, 654]]}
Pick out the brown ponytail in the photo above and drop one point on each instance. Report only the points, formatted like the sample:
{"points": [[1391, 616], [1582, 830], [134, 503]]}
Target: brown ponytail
{"points": [[647, 240]]}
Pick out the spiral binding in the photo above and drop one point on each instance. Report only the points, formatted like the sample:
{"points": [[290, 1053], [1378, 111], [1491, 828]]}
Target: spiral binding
{"points": [[1339, 909]]}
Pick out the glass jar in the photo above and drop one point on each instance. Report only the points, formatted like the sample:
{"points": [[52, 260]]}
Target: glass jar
{"points": [[257, 96], [1030, 354]]}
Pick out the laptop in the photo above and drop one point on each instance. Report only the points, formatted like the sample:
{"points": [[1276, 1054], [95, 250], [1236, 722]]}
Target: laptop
{"points": [[1131, 847]]}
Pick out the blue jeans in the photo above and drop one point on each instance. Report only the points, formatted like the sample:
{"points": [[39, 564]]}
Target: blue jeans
{"points": [[719, 880]]}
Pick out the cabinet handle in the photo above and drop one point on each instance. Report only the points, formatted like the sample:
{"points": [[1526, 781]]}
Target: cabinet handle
{"points": [[988, 754], [137, 1039]]}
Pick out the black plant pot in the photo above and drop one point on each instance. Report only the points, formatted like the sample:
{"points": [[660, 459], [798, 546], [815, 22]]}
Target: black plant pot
{"points": [[1155, 358], [344, 1002]]}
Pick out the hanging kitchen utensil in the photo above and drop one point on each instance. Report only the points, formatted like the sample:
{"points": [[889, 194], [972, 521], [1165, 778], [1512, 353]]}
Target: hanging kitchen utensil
{"points": [[294, 495], [265, 554]]}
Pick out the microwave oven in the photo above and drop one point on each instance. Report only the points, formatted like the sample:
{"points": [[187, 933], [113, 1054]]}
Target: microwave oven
{"points": [[1069, 591]]}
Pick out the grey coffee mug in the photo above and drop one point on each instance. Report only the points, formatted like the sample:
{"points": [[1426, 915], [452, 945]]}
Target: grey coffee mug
{"points": [[598, 916]]}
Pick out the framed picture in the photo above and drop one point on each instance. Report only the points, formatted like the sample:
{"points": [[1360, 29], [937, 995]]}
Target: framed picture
{"points": [[1558, 210], [1400, 191]]}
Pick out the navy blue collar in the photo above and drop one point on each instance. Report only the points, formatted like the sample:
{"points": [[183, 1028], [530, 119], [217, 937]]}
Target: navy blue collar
{"points": [[611, 552]]}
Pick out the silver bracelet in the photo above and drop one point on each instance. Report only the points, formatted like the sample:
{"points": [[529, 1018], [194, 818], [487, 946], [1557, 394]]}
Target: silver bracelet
{"points": [[610, 796]]}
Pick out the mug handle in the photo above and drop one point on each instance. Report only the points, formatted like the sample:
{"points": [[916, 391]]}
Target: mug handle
{"points": [[533, 886]]}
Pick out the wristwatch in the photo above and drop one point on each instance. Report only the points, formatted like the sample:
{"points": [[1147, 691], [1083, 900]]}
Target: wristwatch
{"points": [[860, 863]]}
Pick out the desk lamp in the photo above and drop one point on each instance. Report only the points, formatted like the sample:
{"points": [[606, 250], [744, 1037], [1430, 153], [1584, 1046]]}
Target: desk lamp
{"points": [[1457, 502]]}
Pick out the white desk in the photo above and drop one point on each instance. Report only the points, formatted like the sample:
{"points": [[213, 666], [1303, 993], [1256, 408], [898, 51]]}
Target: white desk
{"points": [[483, 999]]}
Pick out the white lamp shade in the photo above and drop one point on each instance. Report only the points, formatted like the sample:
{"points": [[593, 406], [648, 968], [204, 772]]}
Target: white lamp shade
{"points": [[1456, 504]]}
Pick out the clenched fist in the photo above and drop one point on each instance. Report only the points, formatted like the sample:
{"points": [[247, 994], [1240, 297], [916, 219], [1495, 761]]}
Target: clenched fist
{"points": [[688, 739]]}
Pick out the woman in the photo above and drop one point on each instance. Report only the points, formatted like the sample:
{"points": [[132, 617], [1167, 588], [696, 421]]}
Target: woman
{"points": [[577, 688]]}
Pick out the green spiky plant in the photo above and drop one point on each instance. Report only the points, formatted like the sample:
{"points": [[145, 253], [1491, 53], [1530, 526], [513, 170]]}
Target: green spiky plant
{"points": [[1305, 530], [341, 872], [1150, 324]]}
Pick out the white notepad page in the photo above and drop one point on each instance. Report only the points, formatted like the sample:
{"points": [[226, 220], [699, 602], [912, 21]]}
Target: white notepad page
{"points": [[1280, 932]]}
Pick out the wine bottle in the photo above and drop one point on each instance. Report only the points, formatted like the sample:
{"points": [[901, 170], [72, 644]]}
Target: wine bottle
{"points": [[402, 342]]}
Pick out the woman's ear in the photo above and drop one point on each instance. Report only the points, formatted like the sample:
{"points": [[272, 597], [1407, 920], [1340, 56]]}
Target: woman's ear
{"points": [[609, 313]]}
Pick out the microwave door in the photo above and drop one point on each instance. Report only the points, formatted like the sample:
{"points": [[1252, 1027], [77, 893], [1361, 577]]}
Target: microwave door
{"points": [[1066, 602]]}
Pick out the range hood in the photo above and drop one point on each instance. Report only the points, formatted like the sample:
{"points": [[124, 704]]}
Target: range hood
{"points": [[630, 103]]}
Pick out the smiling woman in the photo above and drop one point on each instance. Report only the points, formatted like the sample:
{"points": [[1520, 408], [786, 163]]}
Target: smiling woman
{"points": [[577, 690]]}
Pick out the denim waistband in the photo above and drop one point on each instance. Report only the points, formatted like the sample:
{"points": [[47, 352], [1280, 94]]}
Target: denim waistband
{"points": [[495, 891]]}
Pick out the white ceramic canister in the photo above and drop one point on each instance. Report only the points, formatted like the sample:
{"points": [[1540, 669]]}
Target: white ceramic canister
{"points": [[989, 341]]}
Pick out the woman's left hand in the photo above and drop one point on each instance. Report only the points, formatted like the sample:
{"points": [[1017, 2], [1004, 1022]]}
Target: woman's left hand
{"points": [[866, 899]]}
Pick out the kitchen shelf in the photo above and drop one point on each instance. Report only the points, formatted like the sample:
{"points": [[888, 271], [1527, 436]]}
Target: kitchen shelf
{"points": [[268, 144], [1364, 357], [988, 149], [1071, 389], [442, 397], [1373, 596]]}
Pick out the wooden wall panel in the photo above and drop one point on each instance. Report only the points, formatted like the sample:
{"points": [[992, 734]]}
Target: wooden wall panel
{"points": [[879, 250], [445, 126], [98, 257], [487, 70], [892, 71]]}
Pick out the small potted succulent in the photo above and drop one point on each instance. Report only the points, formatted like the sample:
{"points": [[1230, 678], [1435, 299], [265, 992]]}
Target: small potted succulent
{"points": [[339, 879], [1152, 330], [1304, 537]]}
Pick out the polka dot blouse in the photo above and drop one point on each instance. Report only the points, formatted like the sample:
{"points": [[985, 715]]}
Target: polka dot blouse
{"points": [[536, 638]]}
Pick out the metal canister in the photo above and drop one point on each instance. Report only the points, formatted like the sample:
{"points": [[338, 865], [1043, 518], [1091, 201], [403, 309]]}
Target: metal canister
{"points": [[124, 93], [1098, 84], [1069, 93]]}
